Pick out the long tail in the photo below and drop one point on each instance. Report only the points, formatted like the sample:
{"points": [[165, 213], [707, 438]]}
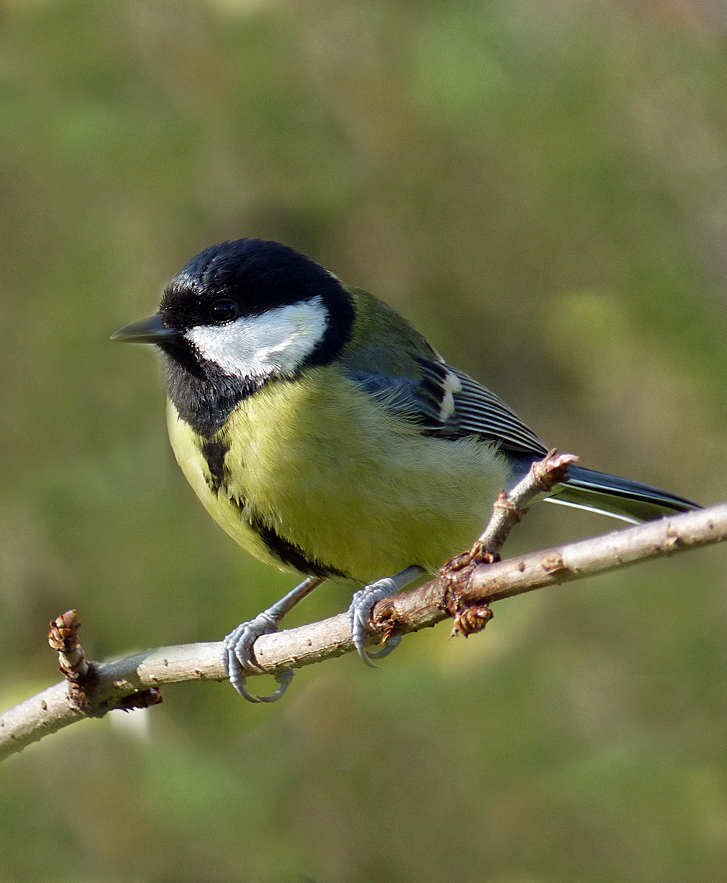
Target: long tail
{"points": [[618, 497]]}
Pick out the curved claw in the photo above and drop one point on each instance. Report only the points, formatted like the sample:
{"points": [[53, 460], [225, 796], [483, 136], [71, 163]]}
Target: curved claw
{"points": [[362, 605], [284, 678], [237, 655], [383, 652], [238, 658], [359, 618]]}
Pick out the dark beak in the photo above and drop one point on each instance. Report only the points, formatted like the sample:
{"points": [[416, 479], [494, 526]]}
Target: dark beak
{"points": [[151, 330]]}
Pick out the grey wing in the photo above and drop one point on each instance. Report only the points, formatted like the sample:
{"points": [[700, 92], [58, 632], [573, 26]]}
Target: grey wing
{"points": [[448, 403], [480, 412]]}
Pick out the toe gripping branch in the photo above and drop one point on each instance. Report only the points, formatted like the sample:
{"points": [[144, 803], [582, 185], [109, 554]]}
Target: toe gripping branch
{"points": [[238, 655], [239, 659], [360, 614]]}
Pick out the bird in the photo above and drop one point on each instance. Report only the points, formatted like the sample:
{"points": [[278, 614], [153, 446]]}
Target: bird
{"points": [[327, 437]]}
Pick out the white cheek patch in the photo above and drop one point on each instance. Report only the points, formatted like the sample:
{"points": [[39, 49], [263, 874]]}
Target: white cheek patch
{"points": [[274, 343]]}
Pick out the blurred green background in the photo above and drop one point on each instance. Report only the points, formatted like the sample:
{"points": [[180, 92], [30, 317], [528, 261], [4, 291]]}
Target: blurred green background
{"points": [[541, 185]]}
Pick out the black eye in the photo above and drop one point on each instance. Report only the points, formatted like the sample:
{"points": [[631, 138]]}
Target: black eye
{"points": [[223, 311]]}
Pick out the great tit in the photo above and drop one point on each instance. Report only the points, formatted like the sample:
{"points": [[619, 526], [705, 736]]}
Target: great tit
{"points": [[328, 438]]}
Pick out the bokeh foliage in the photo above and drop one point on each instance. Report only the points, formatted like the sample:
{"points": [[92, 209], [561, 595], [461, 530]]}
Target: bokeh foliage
{"points": [[541, 185]]}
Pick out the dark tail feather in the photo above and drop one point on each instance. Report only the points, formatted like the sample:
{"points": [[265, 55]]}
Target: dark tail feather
{"points": [[619, 497]]}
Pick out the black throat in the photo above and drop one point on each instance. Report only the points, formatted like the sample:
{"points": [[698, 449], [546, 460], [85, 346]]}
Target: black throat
{"points": [[203, 394]]}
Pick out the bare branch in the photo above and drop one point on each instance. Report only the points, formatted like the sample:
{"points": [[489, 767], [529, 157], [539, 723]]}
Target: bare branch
{"points": [[110, 684]]}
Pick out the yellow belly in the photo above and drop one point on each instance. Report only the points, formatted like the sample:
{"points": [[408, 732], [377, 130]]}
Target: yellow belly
{"points": [[334, 474]]}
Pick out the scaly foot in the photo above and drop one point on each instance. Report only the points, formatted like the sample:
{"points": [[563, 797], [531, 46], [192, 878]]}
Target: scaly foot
{"points": [[362, 605], [238, 656]]}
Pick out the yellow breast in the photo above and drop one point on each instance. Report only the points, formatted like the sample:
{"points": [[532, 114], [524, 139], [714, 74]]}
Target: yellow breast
{"points": [[323, 467]]}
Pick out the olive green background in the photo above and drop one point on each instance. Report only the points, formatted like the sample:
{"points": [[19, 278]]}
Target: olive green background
{"points": [[541, 185]]}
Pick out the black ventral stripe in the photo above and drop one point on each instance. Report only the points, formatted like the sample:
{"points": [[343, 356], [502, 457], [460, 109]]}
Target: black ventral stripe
{"points": [[214, 451], [291, 554], [284, 550]]}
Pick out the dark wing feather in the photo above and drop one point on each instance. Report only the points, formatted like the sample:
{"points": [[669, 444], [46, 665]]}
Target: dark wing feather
{"points": [[480, 412], [448, 403]]}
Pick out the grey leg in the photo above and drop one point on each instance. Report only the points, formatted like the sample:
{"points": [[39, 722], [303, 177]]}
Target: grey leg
{"points": [[238, 656]]}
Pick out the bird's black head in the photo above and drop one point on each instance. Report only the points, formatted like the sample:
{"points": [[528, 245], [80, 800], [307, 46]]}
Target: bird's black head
{"points": [[247, 277], [238, 315]]}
